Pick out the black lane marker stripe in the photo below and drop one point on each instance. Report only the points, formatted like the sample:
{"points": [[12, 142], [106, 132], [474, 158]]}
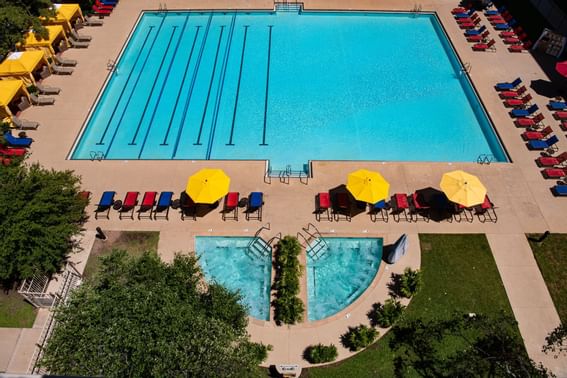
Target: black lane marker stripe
{"points": [[238, 87], [267, 85]]}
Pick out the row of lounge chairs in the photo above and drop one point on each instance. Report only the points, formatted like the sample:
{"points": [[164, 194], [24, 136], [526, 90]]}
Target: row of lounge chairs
{"points": [[104, 8], [538, 136], [413, 208], [156, 207]]}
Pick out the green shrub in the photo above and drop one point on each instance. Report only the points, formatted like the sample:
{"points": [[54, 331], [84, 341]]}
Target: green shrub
{"points": [[288, 308], [320, 353], [359, 337], [410, 282], [385, 315]]}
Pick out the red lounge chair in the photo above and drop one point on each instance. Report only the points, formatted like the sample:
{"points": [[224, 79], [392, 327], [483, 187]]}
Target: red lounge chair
{"points": [[531, 135], [560, 115], [341, 207], [128, 205], [148, 203], [554, 173], [485, 46], [458, 10], [460, 210], [323, 206], [529, 121], [563, 125], [231, 206], [478, 38], [417, 208], [470, 25], [103, 6], [498, 20], [6, 151], [520, 48], [550, 161], [101, 12], [467, 20], [400, 205], [508, 34], [513, 94], [188, 206], [485, 211], [518, 102]]}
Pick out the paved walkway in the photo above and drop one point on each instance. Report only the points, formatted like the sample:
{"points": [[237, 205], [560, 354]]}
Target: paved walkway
{"points": [[522, 195]]}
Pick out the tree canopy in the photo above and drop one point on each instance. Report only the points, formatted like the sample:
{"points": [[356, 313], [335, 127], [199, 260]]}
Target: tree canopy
{"points": [[487, 346], [142, 317], [556, 341], [17, 17], [39, 212]]}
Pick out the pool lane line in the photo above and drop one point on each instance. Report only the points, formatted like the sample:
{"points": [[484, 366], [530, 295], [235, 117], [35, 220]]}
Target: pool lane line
{"points": [[134, 88], [192, 86], [164, 143], [238, 86], [133, 141], [198, 142], [220, 87], [100, 142], [154, 112], [267, 86]]}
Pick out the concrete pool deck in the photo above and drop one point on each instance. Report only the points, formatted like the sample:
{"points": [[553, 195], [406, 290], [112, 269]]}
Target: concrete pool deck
{"points": [[522, 196]]}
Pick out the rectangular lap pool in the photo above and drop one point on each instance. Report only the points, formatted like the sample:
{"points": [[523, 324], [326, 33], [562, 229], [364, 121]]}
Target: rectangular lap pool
{"points": [[288, 88]]}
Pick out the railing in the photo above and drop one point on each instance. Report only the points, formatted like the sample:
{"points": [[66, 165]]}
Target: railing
{"points": [[284, 176], [97, 155], [111, 65], [467, 67], [485, 159], [288, 6], [162, 7], [416, 9], [258, 247], [318, 249]]}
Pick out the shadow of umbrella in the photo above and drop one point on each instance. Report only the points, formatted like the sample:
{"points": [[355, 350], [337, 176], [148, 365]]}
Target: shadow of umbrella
{"points": [[353, 207], [437, 201], [546, 88], [196, 209]]}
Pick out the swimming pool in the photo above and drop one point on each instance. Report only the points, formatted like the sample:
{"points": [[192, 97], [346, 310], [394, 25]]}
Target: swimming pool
{"points": [[339, 273], [230, 262], [288, 88]]}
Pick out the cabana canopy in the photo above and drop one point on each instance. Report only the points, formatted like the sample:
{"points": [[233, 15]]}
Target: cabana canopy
{"points": [[56, 34], [10, 89], [65, 15], [20, 65]]}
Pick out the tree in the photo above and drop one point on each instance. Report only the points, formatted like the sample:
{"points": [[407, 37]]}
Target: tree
{"points": [[410, 282], [39, 212], [488, 347], [320, 353], [141, 317], [385, 315], [359, 337], [556, 341], [288, 307], [17, 17]]}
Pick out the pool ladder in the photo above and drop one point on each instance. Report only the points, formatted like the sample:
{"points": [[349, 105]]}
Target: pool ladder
{"points": [[416, 10], [258, 247], [485, 159], [96, 155], [319, 247], [288, 173]]}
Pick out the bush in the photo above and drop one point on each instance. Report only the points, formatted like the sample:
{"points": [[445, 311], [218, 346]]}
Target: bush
{"points": [[410, 282], [288, 308], [385, 315], [359, 337], [320, 353]]}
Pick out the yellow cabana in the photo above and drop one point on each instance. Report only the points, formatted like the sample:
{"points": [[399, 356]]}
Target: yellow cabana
{"points": [[50, 45], [65, 15], [10, 93], [22, 65]]}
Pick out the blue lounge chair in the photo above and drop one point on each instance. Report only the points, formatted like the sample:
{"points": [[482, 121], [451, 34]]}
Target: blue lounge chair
{"points": [[105, 203], [506, 26], [494, 12], [17, 142], [163, 205], [559, 190], [255, 204], [508, 86], [478, 31], [524, 112], [543, 144], [464, 15], [109, 2], [557, 105]]}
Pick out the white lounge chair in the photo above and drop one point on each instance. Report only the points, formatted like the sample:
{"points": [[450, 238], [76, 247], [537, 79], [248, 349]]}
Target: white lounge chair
{"points": [[77, 44], [44, 89], [36, 100], [80, 38], [24, 124], [93, 21], [65, 62], [60, 70]]}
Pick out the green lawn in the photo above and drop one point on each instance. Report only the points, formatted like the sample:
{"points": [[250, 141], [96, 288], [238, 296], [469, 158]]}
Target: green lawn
{"points": [[133, 242], [15, 312], [459, 273], [551, 257]]}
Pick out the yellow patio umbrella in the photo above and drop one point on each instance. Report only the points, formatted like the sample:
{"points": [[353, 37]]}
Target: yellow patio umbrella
{"points": [[8, 90], [367, 186], [56, 34], [208, 185], [463, 188], [20, 65]]}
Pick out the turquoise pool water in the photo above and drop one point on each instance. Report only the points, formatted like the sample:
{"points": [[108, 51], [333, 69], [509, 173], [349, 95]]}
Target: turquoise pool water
{"points": [[288, 88], [228, 261], [338, 274]]}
